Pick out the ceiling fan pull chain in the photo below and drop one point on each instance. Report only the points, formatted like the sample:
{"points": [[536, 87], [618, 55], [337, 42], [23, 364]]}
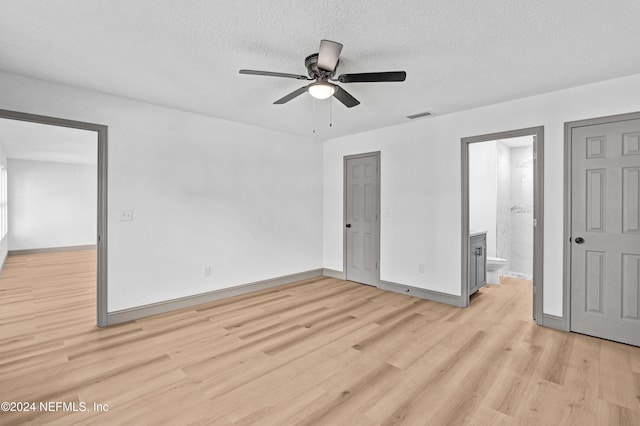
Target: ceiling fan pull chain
{"points": [[314, 115], [331, 111]]}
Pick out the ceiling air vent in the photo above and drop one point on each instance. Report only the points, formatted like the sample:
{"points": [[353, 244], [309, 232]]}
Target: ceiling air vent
{"points": [[420, 115]]}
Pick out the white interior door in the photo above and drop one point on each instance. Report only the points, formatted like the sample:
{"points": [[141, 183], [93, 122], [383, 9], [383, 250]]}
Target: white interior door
{"points": [[362, 219], [605, 228]]}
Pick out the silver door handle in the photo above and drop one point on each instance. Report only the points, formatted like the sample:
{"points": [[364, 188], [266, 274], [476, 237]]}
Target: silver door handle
{"points": [[579, 240]]}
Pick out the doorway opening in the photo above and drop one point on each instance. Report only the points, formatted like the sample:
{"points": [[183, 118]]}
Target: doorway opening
{"points": [[502, 197], [47, 153]]}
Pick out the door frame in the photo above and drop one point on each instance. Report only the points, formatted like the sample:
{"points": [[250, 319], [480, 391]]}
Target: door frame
{"points": [[101, 237], [377, 155], [538, 211], [568, 130]]}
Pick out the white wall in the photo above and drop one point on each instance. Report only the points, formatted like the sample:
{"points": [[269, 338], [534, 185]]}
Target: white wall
{"points": [[51, 204], [244, 200], [4, 242], [421, 188], [483, 191]]}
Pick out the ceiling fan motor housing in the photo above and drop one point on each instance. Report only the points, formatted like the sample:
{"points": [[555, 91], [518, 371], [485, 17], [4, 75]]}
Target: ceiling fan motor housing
{"points": [[311, 63]]}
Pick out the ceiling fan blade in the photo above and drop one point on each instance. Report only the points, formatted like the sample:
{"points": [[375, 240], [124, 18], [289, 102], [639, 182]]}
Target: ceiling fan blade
{"points": [[291, 95], [345, 97], [274, 74], [373, 77], [328, 55]]}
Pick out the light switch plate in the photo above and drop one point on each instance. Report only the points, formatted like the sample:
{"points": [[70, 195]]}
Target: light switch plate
{"points": [[126, 215]]}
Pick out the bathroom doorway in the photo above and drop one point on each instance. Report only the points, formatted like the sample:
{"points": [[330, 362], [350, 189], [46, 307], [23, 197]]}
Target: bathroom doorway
{"points": [[502, 211]]}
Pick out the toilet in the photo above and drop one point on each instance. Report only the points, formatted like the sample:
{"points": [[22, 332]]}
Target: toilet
{"points": [[494, 269]]}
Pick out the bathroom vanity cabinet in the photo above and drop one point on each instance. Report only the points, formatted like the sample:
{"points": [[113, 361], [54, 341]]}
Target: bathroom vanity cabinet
{"points": [[477, 261]]}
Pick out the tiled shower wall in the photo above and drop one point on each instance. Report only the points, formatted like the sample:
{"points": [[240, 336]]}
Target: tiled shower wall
{"points": [[514, 209], [503, 208], [521, 259]]}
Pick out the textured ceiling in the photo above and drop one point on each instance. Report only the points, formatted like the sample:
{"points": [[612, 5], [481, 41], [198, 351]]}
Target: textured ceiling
{"points": [[186, 54], [22, 140]]}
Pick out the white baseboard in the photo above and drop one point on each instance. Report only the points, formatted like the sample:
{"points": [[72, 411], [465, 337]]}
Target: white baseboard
{"points": [[137, 312]]}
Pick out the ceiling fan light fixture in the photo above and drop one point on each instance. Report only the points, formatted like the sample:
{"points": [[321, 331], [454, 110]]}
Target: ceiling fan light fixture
{"points": [[322, 90]]}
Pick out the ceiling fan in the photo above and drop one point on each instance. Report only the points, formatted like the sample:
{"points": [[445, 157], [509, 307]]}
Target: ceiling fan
{"points": [[322, 67]]}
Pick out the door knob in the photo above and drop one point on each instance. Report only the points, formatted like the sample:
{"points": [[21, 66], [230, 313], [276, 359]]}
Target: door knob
{"points": [[579, 240], [348, 225]]}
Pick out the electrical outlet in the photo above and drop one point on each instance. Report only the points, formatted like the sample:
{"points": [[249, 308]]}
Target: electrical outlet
{"points": [[421, 268], [207, 271], [126, 215]]}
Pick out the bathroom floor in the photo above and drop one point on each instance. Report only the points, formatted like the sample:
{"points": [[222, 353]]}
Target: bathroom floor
{"points": [[514, 281]]}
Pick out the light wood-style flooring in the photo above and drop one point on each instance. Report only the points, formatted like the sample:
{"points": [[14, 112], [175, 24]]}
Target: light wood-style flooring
{"points": [[322, 351]]}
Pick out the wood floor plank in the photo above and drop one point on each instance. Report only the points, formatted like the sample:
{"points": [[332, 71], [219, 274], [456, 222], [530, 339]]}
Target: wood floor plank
{"points": [[320, 351], [612, 414], [617, 385], [583, 382], [515, 378]]}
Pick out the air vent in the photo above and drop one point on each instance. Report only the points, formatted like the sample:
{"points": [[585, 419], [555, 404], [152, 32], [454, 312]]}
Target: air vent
{"points": [[420, 115]]}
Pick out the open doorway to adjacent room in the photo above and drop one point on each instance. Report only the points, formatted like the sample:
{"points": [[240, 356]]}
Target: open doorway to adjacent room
{"points": [[56, 204]]}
